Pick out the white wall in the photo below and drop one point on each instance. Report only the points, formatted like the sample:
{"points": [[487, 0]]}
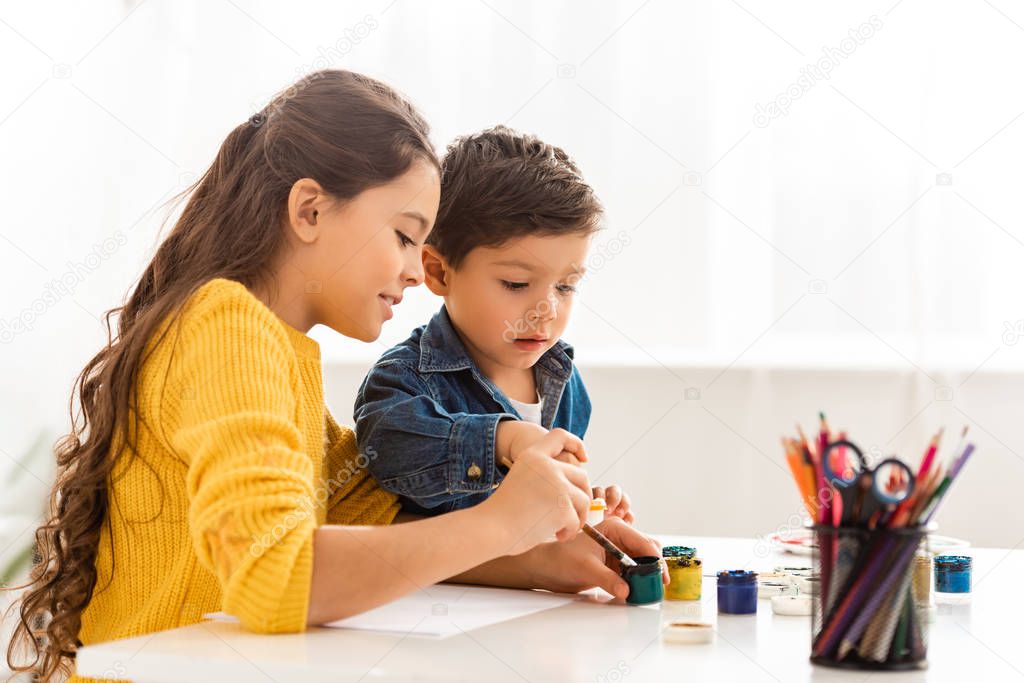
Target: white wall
{"points": [[856, 254]]}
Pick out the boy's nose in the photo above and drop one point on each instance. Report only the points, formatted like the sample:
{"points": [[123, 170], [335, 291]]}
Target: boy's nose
{"points": [[546, 309]]}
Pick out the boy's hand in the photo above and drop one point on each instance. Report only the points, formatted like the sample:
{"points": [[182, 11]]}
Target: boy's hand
{"points": [[617, 502], [515, 436]]}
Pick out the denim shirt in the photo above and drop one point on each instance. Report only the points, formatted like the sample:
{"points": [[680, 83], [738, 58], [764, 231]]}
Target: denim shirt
{"points": [[427, 417]]}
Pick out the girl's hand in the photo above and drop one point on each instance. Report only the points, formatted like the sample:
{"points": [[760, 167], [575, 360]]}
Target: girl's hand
{"points": [[540, 497], [617, 502], [582, 564]]}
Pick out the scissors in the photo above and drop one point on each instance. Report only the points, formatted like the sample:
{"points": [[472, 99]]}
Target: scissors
{"points": [[864, 491]]}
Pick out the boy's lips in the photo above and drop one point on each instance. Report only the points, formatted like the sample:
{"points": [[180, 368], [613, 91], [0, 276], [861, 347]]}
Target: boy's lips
{"points": [[530, 343]]}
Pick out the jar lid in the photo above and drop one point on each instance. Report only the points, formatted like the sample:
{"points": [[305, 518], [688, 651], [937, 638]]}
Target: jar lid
{"points": [[736, 576], [678, 551], [953, 562]]}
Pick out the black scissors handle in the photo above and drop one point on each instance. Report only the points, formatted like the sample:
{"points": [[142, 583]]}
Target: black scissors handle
{"points": [[826, 463], [862, 493]]}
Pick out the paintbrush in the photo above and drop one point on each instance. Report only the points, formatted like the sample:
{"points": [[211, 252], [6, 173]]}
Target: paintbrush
{"points": [[610, 547]]}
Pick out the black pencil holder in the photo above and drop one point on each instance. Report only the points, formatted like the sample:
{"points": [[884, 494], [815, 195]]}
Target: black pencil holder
{"points": [[865, 615]]}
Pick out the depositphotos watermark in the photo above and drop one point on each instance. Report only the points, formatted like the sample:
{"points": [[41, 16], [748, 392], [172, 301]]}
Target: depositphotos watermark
{"points": [[306, 506], [327, 57], [603, 254], [61, 287], [811, 74]]}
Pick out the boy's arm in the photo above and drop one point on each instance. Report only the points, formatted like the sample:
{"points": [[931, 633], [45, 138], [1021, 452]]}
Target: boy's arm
{"points": [[418, 449], [581, 408]]}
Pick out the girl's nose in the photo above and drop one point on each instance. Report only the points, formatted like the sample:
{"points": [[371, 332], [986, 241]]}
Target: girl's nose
{"points": [[412, 276]]}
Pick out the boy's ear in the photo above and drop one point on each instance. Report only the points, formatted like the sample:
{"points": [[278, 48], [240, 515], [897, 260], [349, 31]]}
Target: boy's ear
{"points": [[305, 201], [435, 271]]}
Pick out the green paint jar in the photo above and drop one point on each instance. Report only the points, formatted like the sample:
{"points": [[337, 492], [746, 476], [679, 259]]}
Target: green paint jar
{"points": [[645, 585]]}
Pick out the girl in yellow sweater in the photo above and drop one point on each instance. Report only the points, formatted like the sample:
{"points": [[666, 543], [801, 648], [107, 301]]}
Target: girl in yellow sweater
{"points": [[203, 472]]}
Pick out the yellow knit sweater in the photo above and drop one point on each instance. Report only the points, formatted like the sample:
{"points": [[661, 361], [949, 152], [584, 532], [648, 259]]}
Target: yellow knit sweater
{"points": [[237, 462]]}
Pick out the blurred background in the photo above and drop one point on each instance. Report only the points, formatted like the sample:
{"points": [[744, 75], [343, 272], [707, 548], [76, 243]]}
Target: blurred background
{"points": [[809, 208]]}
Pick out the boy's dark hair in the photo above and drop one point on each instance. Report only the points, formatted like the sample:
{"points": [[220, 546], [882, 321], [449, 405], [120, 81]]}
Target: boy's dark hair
{"points": [[500, 184]]}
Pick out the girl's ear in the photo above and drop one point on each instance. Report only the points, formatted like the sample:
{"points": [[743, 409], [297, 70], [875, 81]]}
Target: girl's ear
{"points": [[305, 202], [435, 271]]}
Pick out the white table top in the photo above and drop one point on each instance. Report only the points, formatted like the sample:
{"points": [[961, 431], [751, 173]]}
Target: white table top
{"points": [[589, 639]]}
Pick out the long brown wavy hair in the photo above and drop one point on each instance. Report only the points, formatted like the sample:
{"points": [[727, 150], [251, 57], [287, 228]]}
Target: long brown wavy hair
{"points": [[344, 130]]}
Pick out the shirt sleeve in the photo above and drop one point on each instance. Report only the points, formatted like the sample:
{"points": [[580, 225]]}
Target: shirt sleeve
{"points": [[418, 449], [230, 404]]}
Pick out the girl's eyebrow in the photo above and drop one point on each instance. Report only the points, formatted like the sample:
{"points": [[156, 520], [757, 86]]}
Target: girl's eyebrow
{"points": [[417, 216]]}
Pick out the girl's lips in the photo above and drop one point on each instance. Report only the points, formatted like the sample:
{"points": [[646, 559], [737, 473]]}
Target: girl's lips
{"points": [[386, 305]]}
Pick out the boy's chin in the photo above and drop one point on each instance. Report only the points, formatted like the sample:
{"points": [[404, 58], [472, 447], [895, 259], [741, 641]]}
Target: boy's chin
{"points": [[522, 361]]}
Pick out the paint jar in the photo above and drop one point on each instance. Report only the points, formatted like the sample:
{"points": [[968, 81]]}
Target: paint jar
{"points": [[808, 585], [645, 585], [688, 633], [921, 583], [684, 575], [775, 577], [864, 614], [596, 514], [953, 579], [737, 592], [678, 551], [795, 571], [767, 590]]}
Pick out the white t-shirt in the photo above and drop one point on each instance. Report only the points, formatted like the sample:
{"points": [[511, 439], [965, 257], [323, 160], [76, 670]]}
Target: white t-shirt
{"points": [[530, 412]]}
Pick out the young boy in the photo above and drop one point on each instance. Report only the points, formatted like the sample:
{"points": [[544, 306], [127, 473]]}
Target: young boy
{"points": [[447, 411]]}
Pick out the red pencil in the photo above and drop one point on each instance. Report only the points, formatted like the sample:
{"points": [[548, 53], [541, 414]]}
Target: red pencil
{"points": [[929, 455]]}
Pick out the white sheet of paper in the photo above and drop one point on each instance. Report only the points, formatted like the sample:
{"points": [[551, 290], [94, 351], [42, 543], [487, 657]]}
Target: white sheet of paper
{"points": [[445, 610]]}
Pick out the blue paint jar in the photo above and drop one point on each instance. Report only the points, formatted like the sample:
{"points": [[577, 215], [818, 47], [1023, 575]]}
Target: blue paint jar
{"points": [[737, 592], [953, 574]]}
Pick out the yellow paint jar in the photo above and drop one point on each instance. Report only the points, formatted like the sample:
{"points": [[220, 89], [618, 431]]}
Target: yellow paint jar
{"points": [[685, 578]]}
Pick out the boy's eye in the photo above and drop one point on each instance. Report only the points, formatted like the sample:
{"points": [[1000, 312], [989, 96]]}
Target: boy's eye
{"points": [[405, 239], [566, 289], [514, 286]]}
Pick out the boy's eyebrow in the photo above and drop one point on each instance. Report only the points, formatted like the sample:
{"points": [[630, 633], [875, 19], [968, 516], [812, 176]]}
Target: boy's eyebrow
{"points": [[515, 263]]}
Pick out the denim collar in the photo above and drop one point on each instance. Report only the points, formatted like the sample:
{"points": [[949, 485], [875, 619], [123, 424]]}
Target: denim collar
{"points": [[441, 350]]}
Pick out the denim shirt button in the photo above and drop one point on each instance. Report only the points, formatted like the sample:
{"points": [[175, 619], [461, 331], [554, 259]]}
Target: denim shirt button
{"points": [[474, 471]]}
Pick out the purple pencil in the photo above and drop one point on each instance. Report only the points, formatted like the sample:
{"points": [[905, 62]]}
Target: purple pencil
{"points": [[845, 609], [869, 609]]}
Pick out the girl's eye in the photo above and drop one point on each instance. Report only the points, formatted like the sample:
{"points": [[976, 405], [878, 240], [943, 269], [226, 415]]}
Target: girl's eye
{"points": [[405, 239], [566, 289], [514, 286]]}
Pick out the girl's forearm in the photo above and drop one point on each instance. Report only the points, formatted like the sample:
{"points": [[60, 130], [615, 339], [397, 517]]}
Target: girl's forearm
{"points": [[507, 571], [357, 568]]}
